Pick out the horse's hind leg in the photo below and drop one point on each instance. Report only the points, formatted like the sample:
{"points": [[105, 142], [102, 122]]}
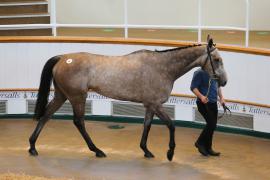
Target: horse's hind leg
{"points": [[78, 105], [149, 113], [163, 116], [53, 106]]}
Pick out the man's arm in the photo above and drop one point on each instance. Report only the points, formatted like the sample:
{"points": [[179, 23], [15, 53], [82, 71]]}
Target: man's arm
{"points": [[203, 98], [220, 95], [195, 83]]}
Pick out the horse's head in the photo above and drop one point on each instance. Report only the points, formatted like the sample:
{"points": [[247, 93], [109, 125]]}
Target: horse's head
{"points": [[213, 63]]}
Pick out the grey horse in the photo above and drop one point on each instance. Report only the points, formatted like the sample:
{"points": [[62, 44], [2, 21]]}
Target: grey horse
{"points": [[143, 76]]}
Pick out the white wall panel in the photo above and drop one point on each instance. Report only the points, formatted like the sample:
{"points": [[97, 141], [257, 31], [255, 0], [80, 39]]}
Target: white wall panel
{"points": [[170, 12], [16, 106], [261, 123], [223, 13], [90, 11], [102, 107], [185, 113], [248, 78]]}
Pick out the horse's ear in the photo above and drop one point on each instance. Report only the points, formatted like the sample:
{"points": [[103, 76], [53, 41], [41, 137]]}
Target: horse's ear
{"points": [[210, 41]]}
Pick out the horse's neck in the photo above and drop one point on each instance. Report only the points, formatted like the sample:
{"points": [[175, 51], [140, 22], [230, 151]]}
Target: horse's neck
{"points": [[182, 61]]}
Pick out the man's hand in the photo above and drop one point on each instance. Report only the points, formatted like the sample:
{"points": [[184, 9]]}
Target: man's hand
{"points": [[204, 99], [222, 101]]}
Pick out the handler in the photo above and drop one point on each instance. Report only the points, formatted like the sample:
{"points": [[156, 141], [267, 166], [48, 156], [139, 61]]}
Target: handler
{"points": [[206, 90]]}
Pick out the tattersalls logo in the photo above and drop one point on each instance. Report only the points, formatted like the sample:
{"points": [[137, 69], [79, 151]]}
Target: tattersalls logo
{"points": [[10, 95], [258, 110], [173, 100], [33, 95], [182, 101], [232, 106], [244, 108], [95, 96]]}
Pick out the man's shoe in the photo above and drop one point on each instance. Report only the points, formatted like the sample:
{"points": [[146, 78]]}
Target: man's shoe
{"points": [[211, 152], [201, 149]]}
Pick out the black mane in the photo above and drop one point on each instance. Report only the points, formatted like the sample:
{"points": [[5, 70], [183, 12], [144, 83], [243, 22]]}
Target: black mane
{"points": [[178, 48]]}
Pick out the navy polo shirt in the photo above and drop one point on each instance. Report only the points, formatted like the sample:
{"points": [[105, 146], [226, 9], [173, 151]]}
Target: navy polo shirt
{"points": [[200, 81]]}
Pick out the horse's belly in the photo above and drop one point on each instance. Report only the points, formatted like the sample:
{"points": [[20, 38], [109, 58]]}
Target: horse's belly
{"points": [[119, 92]]}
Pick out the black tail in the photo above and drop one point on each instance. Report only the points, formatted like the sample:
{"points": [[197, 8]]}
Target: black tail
{"points": [[44, 87]]}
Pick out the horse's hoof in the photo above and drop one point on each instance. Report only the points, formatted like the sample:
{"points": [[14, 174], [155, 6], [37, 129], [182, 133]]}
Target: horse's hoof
{"points": [[33, 152], [149, 155], [170, 154], [100, 154]]}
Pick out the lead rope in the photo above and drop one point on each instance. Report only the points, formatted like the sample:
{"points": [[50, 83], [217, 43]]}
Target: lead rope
{"points": [[210, 44], [209, 84], [225, 108]]}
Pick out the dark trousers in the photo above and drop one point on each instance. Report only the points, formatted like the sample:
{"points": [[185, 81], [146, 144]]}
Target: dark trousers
{"points": [[209, 112]]}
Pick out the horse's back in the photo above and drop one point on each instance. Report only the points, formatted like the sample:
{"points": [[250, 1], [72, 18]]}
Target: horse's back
{"points": [[129, 77]]}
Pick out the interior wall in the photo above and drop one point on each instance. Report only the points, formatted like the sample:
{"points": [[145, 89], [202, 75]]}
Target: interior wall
{"points": [[21, 65], [90, 11], [170, 12]]}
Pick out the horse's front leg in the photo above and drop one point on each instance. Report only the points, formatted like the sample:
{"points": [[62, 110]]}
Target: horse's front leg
{"points": [[147, 125], [163, 116]]}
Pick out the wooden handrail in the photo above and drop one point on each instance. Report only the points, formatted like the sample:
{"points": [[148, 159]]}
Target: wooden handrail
{"points": [[173, 94], [227, 100], [103, 40]]}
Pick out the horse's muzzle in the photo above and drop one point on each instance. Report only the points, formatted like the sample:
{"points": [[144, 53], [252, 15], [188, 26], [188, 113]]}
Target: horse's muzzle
{"points": [[223, 83]]}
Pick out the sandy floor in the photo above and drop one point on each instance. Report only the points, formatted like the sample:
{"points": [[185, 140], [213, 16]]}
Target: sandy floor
{"points": [[63, 153]]}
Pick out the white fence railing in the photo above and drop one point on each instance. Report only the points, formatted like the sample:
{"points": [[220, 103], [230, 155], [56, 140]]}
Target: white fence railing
{"points": [[54, 25]]}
